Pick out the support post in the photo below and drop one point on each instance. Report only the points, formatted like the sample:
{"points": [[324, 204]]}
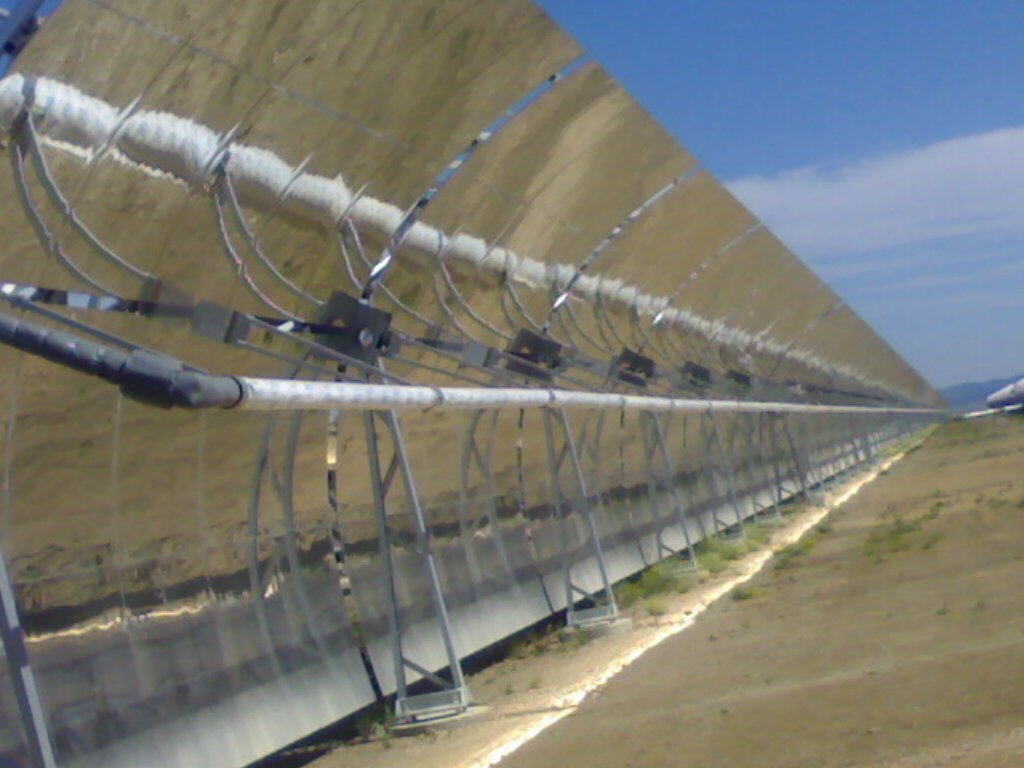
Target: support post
{"points": [[26, 693], [600, 613], [769, 462], [713, 440], [794, 454], [668, 475], [454, 697]]}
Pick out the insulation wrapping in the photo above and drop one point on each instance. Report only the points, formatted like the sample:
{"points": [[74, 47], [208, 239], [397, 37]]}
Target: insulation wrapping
{"points": [[473, 249], [318, 198], [169, 143], [382, 216], [528, 271], [191, 152], [561, 274], [587, 286], [425, 238], [68, 115], [12, 100], [259, 176]]}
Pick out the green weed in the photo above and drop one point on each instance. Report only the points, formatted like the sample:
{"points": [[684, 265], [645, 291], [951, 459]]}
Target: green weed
{"points": [[570, 639], [655, 606], [712, 562], [746, 593], [758, 535], [376, 725], [668, 576], [891, 538], [627, 593], [786, 557]]}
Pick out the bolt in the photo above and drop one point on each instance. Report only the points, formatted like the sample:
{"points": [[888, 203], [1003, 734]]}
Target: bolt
{"points": [[365, 337]]}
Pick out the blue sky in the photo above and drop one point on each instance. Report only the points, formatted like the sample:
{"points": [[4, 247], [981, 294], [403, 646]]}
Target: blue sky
{"points": [[883, 141]]}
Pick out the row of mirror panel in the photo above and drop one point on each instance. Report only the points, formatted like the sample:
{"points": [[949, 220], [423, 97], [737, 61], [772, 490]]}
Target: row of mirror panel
{"points": [[540, 188]]}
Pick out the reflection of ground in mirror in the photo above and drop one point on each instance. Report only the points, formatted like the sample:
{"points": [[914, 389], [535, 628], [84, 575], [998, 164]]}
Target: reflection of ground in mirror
{"points": [[547, 675]]}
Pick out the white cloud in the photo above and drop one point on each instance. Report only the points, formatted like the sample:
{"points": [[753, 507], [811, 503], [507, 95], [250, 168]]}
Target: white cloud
{"points": [[926, 244], [963, 188]]}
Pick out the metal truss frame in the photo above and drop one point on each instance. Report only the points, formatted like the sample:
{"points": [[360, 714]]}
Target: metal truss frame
{"points": [[386, 464]]}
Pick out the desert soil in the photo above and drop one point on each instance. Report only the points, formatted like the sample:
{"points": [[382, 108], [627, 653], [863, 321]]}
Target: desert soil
{"points": [[893, 638]]}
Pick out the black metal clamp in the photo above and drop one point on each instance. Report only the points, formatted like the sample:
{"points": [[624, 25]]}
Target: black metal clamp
{"points": [[364, 331], [633, 368], [541, 356]]}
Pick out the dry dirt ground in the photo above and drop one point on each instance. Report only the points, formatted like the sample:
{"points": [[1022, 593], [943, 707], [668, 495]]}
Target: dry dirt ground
{"points": [[890, 637]]}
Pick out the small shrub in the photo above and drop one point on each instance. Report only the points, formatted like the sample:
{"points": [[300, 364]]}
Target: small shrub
{"points": [[570, 639], [520, 649], [655, 580], [509, 689], [733, 550], [712, 562], [746, 593], [628, 593], [668, 576], [786, 556], [890, 539], [534, 684], [532, 644], [931, 541], [757, 535], [687, 581], [376, 725], [655, 606], [823, 528]]}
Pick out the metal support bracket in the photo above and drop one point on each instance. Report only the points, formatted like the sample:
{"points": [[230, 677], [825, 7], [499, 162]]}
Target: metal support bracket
{"points": [[659, 461], [541, 356], [713, 444], [633, 368], [364, 332], [602, 612], [454, 697]]}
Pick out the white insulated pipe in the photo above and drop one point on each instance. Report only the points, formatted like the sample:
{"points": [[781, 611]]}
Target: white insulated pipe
{"points": [[295, 395]]}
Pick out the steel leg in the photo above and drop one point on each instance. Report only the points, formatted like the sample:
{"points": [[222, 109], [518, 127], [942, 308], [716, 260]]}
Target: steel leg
{"points": [[602, 613], [26, 693], [453, 698]]}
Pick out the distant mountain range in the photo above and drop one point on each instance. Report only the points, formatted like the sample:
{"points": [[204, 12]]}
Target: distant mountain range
{"points": [[970, 396]]}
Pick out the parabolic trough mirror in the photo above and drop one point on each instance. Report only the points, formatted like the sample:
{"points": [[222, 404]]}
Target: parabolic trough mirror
{"points": [[341, 340]]}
